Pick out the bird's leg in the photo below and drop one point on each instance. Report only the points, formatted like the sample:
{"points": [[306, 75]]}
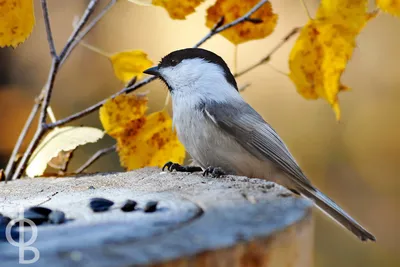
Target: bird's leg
{"points": [[179, 168], [214, 171]]}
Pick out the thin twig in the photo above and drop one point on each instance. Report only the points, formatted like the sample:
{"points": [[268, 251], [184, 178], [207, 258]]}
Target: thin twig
{"points": [[89, 27], [12, 160], [218, 27], [42, 120], [95, 157], [45, 95], [267, 58], [233, 23], [50, 39], [85, 17]]}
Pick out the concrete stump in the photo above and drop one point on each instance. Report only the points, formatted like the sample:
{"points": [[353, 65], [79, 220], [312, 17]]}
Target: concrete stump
{"points": [[199, 221]]}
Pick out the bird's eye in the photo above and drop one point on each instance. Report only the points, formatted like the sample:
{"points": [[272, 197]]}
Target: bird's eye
{"points": [[174, 62]]}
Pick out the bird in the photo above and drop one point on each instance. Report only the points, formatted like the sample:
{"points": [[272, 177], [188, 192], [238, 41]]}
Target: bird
{"points": [[226, 136]]}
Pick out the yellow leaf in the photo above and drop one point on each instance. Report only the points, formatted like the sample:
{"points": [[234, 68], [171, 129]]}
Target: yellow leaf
{"points": [[16, 21], [247, 31], [117, 112], [390, 6], [178, 9], [60, 139], [129, 64], [323, 48], [150, 141]]}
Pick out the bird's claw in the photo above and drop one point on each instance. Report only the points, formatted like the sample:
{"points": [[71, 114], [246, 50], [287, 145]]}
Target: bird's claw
{"points": [[179, 168], [215, 172]]}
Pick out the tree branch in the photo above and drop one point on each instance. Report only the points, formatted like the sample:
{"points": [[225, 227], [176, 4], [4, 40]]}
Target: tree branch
{"points": [[267, 58], [45, 95], [89, 27], [84, 19], [50, 40], [12, 160], [95, 157]]}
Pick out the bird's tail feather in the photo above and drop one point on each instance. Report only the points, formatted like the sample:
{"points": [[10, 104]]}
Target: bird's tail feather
{"points": [[338, 214]]}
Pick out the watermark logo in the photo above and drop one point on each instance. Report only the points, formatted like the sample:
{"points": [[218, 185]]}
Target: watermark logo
{"points": [[23, 245]]}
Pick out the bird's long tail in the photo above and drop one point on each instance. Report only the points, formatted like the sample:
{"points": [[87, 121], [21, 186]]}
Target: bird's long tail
{"points": [[338, 214]]}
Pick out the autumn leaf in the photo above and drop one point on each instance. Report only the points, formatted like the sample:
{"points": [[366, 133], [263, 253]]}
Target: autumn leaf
{"points": [[150, 141], [177, 9], [129, 64], [325, 45], [16, 21], [141, 140], [59, 139], [61, 161], [247, 31], [117, 112], [390, 6]]}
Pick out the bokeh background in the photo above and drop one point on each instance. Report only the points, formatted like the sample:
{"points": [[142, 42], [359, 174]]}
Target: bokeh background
{"points": [[356, 161]]}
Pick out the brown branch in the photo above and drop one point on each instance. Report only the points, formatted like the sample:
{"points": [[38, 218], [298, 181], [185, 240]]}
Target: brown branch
{"points": [[45, 95], [267, 58], [50, 39], [95, 157], [89, 27], [13, 158]]}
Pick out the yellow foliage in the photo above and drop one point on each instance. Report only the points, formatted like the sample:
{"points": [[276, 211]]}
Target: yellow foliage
{"points": [[323, 48], [390, 6], [129, 64], [141, 140], [150, 141], [178, 9], [247, 31], [117, 112], [16, 21]]}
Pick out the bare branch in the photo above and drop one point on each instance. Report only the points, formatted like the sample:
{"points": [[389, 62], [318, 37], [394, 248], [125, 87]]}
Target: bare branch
{"points": [[85, 17], [95, 157], [50, 40], [89, 27], [12, 160], [46, 93], [267, 58]]}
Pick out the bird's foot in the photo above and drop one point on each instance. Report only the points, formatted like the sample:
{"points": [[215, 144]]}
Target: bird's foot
{"points": [[179, 168], [215, 172]]}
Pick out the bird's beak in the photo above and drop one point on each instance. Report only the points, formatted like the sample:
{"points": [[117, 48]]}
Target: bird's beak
{"points": [[152, 71]]}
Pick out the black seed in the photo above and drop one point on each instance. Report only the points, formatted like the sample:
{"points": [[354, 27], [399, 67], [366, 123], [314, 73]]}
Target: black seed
{"points": [[41, 210], [91, 187], [151, 206], [38, 216], [129, 205], [4, 220], [57, 217], [99, 204]]}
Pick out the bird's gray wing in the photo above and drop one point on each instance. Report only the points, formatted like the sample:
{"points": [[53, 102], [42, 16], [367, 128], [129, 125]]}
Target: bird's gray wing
{"points": [[250, 130]]}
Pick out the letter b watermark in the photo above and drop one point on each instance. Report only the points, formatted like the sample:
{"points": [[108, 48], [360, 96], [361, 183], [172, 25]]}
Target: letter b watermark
{"points": [[21, 244]]}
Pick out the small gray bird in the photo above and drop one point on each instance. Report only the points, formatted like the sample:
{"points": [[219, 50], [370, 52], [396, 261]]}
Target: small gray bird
{"points": [[225, 135]]}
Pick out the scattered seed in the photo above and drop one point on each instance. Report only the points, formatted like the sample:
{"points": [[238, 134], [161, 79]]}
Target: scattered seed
{"points": [[99, 204], [129, 205], [57, 217], [35, 217], [151, 206]]}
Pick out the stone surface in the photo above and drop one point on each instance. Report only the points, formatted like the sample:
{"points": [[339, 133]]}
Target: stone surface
{"points": [[198, 220]]}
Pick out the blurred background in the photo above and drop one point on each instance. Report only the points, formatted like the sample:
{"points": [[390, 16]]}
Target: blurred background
{"points": [[356, 161]]}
